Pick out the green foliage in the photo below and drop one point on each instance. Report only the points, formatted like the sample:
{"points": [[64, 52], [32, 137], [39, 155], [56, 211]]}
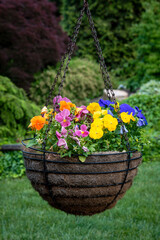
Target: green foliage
{"points": [[11, 164], [150, 108], [150, 88], [145, 64], [83, 81], [113, 19], [15, 110]]}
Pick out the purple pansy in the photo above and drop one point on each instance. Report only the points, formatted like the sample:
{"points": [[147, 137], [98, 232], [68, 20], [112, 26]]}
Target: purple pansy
{"points": [[62, 134], [62, 142], [82, 112], [105, 103], [63, 118], [59, 98], [142, 120], [126, 108], [82, 132]]}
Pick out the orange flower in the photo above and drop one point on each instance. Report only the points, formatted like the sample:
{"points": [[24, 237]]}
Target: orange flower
{"points": [[66, 105], [37, 122], [72, 105]]}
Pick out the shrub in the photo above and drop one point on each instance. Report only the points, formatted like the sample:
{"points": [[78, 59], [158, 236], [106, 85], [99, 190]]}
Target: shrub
{"points": [[11, 164], [58, 4], [83, 81], [113, 20], [150, 107], [15, 110], [150, 88], [30, 38]]}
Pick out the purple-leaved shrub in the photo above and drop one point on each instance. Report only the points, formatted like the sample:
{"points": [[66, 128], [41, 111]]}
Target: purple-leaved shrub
{"points": [[30, 39]]}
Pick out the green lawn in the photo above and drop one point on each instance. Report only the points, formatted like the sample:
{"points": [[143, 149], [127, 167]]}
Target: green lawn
{"points": [[24, 215]]}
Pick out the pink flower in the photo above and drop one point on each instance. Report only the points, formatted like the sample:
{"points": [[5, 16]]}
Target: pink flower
{"points": [[57, 99], [65, 99], [62, 142], [83, 132], [63, 118], [81, 111], [62, 134]]}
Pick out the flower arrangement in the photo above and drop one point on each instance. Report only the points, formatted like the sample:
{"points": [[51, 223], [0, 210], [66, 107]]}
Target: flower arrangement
{"points": [[87, 129]]}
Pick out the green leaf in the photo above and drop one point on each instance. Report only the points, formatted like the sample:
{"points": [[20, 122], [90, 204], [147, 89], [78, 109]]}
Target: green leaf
{"points": [[31, 143], [82, 158]]}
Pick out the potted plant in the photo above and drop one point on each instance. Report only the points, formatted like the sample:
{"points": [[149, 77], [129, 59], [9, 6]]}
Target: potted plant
{"points": [[85, 166]]}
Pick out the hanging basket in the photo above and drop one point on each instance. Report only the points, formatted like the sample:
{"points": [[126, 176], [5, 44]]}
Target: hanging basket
{"points": [[68, 184], [81, 188]]}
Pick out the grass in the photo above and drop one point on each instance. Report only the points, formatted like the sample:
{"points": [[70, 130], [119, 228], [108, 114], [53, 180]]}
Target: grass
{"points": [[25, 216]]}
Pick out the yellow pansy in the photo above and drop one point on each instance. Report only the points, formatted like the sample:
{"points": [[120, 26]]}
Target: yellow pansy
{"points": [[97, 114], [78, 110], [126, 118], [132, 118], [104, 112], [95, 133], [97, 123], [110, 122], [107, 117], [93, 107]]}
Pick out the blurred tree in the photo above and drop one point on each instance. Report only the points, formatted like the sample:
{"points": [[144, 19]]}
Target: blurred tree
{"points": [[145, 64], [30, 38], [112, 20]]}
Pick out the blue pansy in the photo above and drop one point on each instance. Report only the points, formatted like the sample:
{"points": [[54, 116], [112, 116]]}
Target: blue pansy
{"points": [[140, 123], [105, 103], [142, 120], [109, 112], [126, 108]]}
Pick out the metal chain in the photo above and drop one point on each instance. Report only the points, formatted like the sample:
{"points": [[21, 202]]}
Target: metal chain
{"points": [[73, 44], [105, 74], [70, 47]]}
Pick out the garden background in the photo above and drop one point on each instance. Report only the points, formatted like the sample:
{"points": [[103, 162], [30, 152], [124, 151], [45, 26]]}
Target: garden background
{"points": [[33, 38]]}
